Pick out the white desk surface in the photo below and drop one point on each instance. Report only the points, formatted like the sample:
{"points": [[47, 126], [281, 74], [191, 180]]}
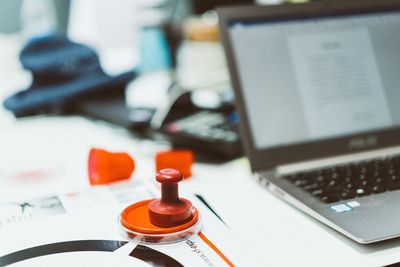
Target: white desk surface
{"points": [[275, 232]]}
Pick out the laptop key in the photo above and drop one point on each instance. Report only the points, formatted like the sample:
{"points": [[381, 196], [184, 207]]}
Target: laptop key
{"points": [[378, 189], [311, 187], [382, 180], [333, 190], [394, 185], [302, 182], [364, 183], [363, 191], [317, 193], [332, 183], [394, 178], [351, 185], [348, 194], [330, 198], [348, 179]]}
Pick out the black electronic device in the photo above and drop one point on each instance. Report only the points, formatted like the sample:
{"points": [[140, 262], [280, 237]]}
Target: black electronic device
{"points": [[211, 133], [208, 132], [301, 131], [112, 108]]}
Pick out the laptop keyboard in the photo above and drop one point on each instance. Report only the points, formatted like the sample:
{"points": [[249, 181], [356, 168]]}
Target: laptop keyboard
{"points": [[357, 179]]}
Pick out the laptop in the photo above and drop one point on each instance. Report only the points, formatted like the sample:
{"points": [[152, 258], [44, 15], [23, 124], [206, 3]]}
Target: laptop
{"points": [[317, 88]]}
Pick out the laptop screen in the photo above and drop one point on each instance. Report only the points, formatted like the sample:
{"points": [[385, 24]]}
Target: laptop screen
{"points": [[313, 79]]}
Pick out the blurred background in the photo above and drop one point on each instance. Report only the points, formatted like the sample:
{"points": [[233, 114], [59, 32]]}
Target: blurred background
{"points": [[154, 67]]}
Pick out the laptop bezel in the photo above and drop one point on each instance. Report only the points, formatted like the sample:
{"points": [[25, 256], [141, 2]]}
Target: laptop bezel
{"points": [[261, 159]]}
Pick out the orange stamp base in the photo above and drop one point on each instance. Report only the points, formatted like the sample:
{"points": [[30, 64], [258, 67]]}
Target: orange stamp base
{"points": [[167, 220], [136, 226]]}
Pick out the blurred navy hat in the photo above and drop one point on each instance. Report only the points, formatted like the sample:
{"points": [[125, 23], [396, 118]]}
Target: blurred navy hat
{"points": [[62, 71]]}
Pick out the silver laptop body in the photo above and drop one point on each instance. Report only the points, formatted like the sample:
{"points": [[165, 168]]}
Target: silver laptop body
{"points": [[317, 88]]}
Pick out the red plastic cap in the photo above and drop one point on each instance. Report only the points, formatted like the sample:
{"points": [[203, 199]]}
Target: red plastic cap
{"points": [[169, 176], [181, 160], [105, 167], [170, 210]]}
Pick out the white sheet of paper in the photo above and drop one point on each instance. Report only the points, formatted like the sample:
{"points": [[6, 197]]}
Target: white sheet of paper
{"points": [[92, 215], [339, 82]]}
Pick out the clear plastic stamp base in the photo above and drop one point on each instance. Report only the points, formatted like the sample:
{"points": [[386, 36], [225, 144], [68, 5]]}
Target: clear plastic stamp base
{"points": [[160, 239]]}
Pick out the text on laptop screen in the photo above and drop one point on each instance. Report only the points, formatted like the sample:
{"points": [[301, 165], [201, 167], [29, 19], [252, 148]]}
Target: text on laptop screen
{"points": [[314, 79]]}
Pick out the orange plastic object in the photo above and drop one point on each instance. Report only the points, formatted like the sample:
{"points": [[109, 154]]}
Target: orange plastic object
{"points": [[136, 218], [169, 210], [161, 221], [105, 167], [181, 160]]}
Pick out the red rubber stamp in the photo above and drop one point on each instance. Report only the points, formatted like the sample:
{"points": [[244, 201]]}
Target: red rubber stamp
{"points": [[164, 220]]}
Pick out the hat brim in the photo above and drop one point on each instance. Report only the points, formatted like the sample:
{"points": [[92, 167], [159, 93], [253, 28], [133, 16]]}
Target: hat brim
{"points": [[34, 100]]}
